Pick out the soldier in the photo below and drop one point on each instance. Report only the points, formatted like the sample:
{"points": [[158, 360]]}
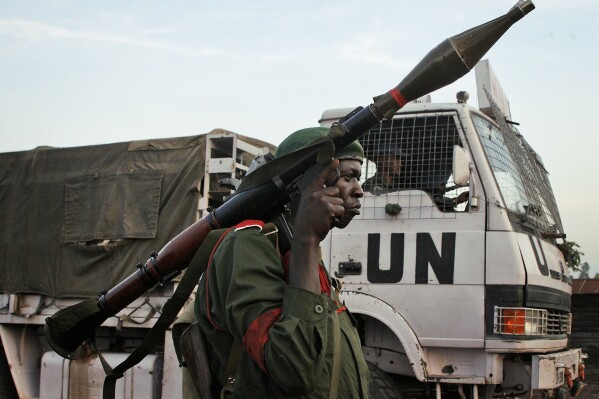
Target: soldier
{"points": [[281, 311]]}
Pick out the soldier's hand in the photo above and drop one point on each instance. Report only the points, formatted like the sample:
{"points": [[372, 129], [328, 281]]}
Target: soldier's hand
{"points": [[319, 206]]}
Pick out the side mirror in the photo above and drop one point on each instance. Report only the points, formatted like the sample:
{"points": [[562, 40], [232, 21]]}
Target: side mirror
{"points": [[461, 166]]}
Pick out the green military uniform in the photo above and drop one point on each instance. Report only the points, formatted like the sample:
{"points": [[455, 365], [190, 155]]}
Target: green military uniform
{"points": [[287, 333], [246, 283]]}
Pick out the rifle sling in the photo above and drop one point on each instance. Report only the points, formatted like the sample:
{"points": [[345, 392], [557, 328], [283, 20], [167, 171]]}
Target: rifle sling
{"points": [[172, 307], [169, 314], [232, 364]]}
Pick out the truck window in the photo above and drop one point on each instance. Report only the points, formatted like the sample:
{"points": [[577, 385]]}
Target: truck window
{"points": [[413, 153], [503, 166], [520, 175]]}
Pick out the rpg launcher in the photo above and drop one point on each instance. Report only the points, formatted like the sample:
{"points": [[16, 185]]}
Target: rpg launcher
{"points": [[263, 195]]}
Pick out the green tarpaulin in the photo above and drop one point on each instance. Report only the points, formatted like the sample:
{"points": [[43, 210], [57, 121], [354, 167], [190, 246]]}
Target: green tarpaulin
{"points": [[75, 221]]}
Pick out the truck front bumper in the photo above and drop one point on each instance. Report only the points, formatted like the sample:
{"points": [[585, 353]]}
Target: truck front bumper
{"points": [[551, 370]]}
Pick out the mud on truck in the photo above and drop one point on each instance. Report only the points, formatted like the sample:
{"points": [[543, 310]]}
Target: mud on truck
{"points": [[454, 272]]}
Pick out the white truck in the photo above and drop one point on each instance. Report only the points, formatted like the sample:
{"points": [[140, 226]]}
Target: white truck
{"points": [[460, 300], [470, 298]]}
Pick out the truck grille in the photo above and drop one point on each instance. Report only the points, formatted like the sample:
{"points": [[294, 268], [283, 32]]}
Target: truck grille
{"points": [[559, 323]]}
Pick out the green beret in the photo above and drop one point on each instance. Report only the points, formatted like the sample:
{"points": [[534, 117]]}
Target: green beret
{"points": [[303, 137]]}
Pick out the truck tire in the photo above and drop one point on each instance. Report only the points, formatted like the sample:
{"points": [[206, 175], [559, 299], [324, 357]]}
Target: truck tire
{"points": [[7, 385], [382, 386]]}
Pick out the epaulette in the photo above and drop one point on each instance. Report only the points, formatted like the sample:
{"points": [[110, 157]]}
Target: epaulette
{"points": [[249, 223]]}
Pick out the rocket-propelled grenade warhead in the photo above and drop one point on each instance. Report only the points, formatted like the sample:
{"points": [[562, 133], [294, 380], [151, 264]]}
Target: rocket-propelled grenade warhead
{"points": [[449, 61]]}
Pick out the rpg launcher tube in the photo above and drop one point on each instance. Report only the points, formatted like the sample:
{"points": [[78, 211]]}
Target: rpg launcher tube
{"points": [[446, 63]]}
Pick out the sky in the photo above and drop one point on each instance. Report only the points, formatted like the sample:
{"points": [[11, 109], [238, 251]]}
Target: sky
{"points": [[76, 73]]}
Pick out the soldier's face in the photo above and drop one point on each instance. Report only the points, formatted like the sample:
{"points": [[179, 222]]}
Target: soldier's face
{"points": [[350, 190]]}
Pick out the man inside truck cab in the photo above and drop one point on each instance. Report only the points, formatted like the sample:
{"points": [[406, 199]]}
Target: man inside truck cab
{"points": [[281, 312], [388, 159]]}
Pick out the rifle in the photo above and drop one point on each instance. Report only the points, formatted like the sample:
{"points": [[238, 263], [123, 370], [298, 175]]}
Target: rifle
{"points": [[263, 195]]}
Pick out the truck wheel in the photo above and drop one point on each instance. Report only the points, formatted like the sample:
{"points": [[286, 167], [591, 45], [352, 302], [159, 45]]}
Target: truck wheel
{"points": [[7, 386], [382, 386]]}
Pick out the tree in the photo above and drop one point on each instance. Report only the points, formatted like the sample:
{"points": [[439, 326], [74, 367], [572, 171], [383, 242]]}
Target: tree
{"points": [[571, 254]]}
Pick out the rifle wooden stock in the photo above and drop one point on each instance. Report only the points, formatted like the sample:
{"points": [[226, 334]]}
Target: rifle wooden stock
{"points": [[173, 257]]}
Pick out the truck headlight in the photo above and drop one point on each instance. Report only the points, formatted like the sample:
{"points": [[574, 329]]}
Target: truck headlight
{"points": [[520, 321]]}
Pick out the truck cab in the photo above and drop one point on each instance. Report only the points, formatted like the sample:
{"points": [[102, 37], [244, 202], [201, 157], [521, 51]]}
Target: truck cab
{"points": [[454, 266]]}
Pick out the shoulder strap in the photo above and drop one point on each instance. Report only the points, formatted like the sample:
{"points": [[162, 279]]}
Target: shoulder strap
{"points": [[232, 364], [336, 357], [169, 313], [270, 231]]}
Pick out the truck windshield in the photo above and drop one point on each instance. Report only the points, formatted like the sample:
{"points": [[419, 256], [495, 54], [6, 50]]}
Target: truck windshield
{"points": [[503, 165], [520, 175]]}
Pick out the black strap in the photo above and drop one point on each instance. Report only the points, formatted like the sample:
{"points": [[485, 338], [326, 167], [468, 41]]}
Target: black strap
{"points": [[234, 358], [169, 312]]}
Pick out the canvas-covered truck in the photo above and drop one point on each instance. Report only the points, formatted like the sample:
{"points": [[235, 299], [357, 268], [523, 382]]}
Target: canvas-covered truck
{"points": [[454, 266], [76, 221]]}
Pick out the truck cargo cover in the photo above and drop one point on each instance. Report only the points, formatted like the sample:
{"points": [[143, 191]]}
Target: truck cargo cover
{"points": [[77, 220]]}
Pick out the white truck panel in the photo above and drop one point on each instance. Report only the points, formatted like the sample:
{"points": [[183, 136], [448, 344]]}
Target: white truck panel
{"points": [[84, 378], [504, 262], [22, 348], [439, 313], [54, 381], [468, 261], [544, 263]]}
